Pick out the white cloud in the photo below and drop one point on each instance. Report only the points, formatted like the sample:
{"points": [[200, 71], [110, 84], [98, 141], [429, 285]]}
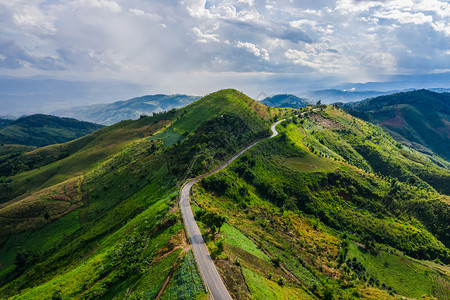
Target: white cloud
{"points": [[405, 17], [253, 49], [151, 41], [136, 12], [102, 4], [205, 37]]}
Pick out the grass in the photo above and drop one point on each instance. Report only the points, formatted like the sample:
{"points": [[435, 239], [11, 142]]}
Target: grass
{"points": [[263, 288], [125, 237], [257, 285], [89, 277], [282, 218], [186, 282], [168, 136], [287, 207], [236, 238], [107, 143], [309, 163], [40, 240], [404, 275]]}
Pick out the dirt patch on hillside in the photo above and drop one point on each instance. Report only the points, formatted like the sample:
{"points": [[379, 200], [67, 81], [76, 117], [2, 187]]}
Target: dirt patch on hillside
{"points": [[36, 210], [397, 121], [233, 278], [324, 122], [177, 241], [257, 264]]}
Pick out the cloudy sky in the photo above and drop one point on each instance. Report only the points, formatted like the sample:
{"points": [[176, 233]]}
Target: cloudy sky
{"points": [[197, 46]]}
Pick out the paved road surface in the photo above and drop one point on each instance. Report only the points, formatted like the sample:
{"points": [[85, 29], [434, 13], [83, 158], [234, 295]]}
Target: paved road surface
{"points": [[206, 265]]}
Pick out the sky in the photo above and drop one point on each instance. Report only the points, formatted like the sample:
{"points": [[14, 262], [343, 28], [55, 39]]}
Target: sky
{"points": [[197, 46]]}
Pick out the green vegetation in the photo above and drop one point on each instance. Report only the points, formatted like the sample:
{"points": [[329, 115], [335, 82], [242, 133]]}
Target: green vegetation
{"points": [[186, 283], [286, 100], [331, 208], [101, 220], [298, 194], [418, 119], [237, 239], [43, 130]]}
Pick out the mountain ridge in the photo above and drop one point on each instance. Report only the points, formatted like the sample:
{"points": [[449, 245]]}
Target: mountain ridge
{"points": [[419, 119], [42, 130], [331, 206], [286, 100], [111, 113]]}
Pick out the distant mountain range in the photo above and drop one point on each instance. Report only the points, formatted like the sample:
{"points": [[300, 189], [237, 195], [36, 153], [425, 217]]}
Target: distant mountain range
{"points": [[335, 95], [419, 119], [111, 113], [42, 130], [286, 100]]}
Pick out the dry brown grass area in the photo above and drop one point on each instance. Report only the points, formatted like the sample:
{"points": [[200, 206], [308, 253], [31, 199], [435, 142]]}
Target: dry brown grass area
{"points": [[36, 210], [324, 122], [177, 241], [374, 293], [232, 276], [257, 264]]}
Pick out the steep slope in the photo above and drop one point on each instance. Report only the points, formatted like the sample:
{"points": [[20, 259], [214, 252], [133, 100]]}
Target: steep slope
{"points": [[42, 130], [106, 215], [129, 109], [286, 100], [299, 213], [419, 119], [332, 206]]}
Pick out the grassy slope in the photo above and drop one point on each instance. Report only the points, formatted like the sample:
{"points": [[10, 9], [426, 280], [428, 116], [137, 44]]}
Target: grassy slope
{"points": [[419, 119], [287, 210], [298, 207], [124, 237]]}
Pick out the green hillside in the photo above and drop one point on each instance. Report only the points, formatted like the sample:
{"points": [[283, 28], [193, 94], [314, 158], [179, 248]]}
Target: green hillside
{"points": [[419, 119], [103, 221], [341, 231], [286, 100], [331, 208], [42, 130]]}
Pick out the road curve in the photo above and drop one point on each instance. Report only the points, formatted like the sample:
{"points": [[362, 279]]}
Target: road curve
{"points": [[208, 271]]}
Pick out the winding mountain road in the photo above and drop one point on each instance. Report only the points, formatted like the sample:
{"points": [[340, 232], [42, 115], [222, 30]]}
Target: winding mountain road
{"points": [[208, 271]]}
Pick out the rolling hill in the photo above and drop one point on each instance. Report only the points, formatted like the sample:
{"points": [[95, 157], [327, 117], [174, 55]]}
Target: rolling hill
{"points": [[5, 122], [419, 119], [129, 109], [42, 130], [332, 207], [286, 100]]}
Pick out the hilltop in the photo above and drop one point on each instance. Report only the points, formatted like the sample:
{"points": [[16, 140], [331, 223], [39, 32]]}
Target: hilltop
{"points": [[331, 207], [42, 130], [128, 109], [419, 119], [286, 100], [116, 189]]}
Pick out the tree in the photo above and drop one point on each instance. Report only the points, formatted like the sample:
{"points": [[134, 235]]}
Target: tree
{"points": [[213, 220]]}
